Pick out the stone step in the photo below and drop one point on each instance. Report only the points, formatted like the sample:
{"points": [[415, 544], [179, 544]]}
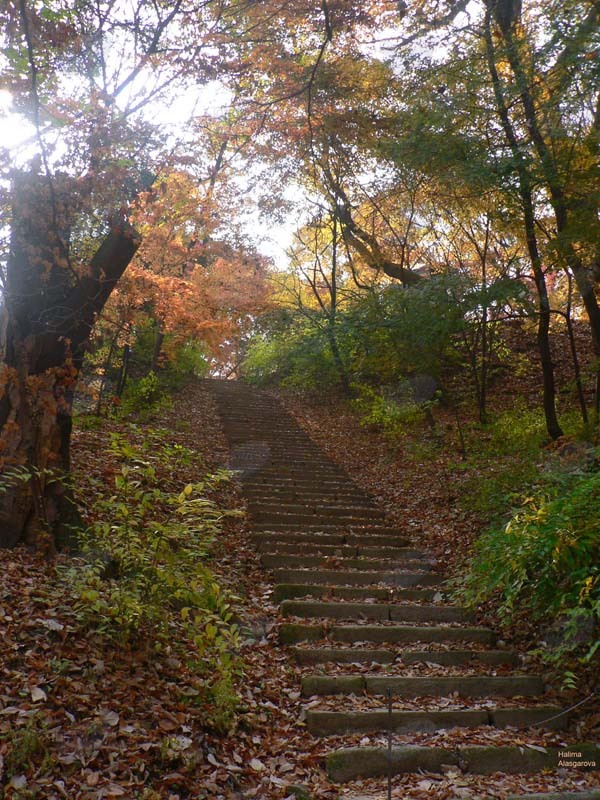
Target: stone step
{"points": [[463, 685], [309, 500], [400, 612], [342, 551], [363, 530], [339, 723], [354, 763], [283, 519], [340, 538], [292, 591], [347, 655], [280, 561], [456, 658], [592, 794], [314, 472], [453, 658], [258, 481], [289, 492], [401, 579], [294, 633], [258, 510]]}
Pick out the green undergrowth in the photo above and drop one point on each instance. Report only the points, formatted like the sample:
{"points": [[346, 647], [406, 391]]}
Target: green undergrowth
{"points": [[142, 576], [545, 563], [538, 558]]}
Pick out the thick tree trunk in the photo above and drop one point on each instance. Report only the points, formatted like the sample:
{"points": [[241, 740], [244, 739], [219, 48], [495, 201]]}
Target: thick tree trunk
{"points": [[50, 306]]}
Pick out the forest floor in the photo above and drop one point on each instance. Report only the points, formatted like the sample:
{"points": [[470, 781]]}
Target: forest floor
{"points": [[83, 718]]}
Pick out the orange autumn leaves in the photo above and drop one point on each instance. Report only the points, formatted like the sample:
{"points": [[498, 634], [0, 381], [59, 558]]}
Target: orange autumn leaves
{"points": [[186, 275]]}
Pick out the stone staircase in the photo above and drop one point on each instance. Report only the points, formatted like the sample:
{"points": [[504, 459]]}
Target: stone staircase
{"points": [[379, 649]]}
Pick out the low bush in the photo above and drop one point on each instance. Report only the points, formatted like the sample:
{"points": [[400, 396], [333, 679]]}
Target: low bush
{"points": [[144, 572], [546, 560], [394, 415], [145, 399]]}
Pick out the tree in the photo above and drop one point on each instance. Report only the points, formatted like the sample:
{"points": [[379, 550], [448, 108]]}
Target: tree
{"points": [[84, 76]]}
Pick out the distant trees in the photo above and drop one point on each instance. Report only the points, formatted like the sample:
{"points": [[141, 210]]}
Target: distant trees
{"points": [[467, 149]]}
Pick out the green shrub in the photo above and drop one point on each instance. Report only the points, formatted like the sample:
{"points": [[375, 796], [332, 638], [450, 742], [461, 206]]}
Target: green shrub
{"points": [[546, 560], [145, 399], [144, 573], [298, 359], [393, 415]]}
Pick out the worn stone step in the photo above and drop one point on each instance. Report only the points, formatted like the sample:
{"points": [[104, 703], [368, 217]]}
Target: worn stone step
{"points": [[592, 794], [314, 472], [342, 550], [320, 509], [363, 530], [454, 658], [347, 655], [324, 496], [400, 612], [258, 481], [274, 561], [294, 633], [408, 633], [275, 520], [291, 591], [354, 763], [463, 685], [288, 501], [400, 579], [339, 538], [339, 723], [304, 560], [260, 512]]}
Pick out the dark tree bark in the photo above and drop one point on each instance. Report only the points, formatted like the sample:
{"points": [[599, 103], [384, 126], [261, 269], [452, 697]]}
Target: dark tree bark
{"points": [[526, 196], [559, 196], [48, 313]]}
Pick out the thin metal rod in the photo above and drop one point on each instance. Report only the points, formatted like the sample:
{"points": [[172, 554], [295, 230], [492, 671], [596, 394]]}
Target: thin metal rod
{"points": [[389, 750]]}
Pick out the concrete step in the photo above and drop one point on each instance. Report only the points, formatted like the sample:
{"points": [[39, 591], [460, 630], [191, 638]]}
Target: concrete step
{"points": [[342, 655], [281, 561], [258, 510], [354, 763], [453, 658], [294, 633], [258, 481], [363, 530], [400, 579], [283, 519], [399, 612], [463, 685], [292, 591], [342, 551], [592, 794], [283, 492], [339, 538], [269, 497], [339, 723]]}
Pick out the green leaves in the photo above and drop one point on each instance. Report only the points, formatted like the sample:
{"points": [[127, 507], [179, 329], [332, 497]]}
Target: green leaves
{"points": [[546, 560], [145, 577]]}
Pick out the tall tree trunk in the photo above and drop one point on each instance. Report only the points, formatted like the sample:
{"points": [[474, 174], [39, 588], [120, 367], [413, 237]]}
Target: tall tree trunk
{"points": [[526, 196], [124, 371], [557, 192], [49, 310], [158, 343]]}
